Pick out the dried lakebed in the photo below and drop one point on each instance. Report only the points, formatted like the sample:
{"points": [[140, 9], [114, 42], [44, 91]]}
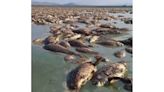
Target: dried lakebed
{"points": [[49, 69]]}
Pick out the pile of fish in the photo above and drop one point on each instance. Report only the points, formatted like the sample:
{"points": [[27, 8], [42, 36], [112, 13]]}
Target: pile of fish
{"points": [[59, 15], [66, 34]]}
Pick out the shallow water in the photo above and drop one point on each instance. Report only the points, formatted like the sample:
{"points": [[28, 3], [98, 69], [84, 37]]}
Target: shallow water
{"points": [[49, 69]]}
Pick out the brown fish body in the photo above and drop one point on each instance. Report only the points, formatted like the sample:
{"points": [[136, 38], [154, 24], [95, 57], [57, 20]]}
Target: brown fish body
{"points": [[65, 44], [76, 43], [111, 43], [129, 50], [120, 54], [86, 50], [82, 31], [69, 58], [59, 48], [128, 41], [52, 39], [80, 75], [105, 74]]}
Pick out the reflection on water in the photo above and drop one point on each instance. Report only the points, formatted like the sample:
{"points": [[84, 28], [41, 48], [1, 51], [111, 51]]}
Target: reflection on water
{"points": [[40, 31], [49, 69]]}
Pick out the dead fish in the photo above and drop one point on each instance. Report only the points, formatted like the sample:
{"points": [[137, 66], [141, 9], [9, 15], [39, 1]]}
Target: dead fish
{"points": [[107, 26], [69, 58], [88, 37], [86, 50], [38, 41], [52, 39], [84, 31], [58, 48], [129, 50], [105, 74], [111, 43], [65, 44], [74, 37], [128, 41], [128, 86], [94, 39], [67, 31], [82, 74], [83, 60], [127, 20], [76, 43], [55, 29], [120, 54], [127, 82], [112, 30]]}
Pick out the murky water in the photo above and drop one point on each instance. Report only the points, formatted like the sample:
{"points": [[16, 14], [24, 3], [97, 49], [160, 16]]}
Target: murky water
{"points": [[49, 69]]}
